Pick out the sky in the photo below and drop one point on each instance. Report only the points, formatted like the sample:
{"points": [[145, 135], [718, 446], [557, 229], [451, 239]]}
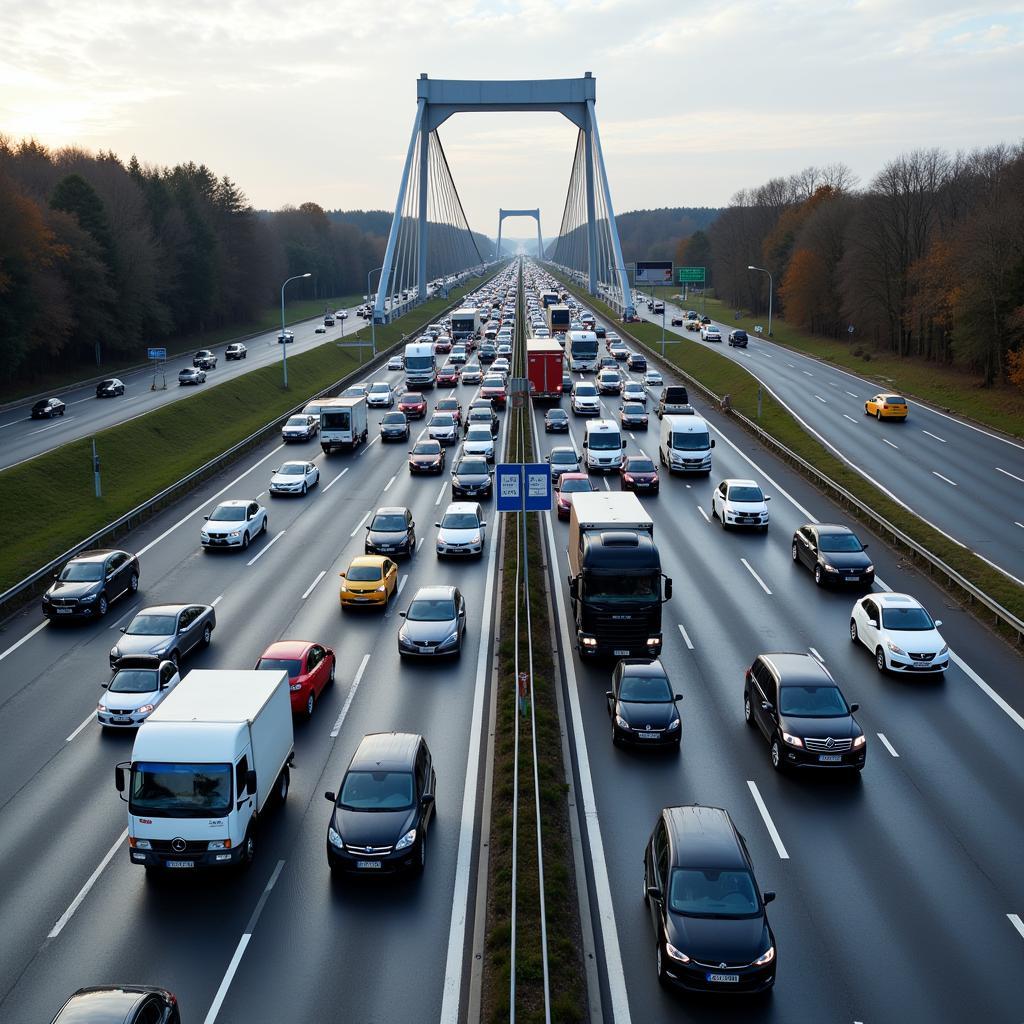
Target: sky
{"points": [[313, 100]]}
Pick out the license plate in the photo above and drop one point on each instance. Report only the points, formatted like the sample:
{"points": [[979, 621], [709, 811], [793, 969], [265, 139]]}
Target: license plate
{"points": [[830, 757], [851, 579], [367, 863], [120, 718], [647, 735], [362, 599], [921, 664], [621, 654], [64, 611], [180, 863], [729, 978]]}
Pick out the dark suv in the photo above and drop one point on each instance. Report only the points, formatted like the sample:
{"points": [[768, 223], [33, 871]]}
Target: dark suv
{"points": [[709, 918], [802, 713], [90, 583]]}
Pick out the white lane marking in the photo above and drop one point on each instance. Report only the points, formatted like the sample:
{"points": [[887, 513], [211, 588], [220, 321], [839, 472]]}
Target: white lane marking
{"points": [[768, 823], [807, 372], [816, 654], [1021, 525], [88, 719], [832, 384], [756, 577], [28, 636], [793, 365], [1006, 472], [243, 942], [84, 891], [401, 585], [270, 543], [607, 486], [686, 638], [336, 479], [888, 746], [890, 444], [362, 451], [820, 399], [631, 437], [853, 394], [309, 589], [419, 543], [850, 418], [946, 478], [351, 693], [761, 352], [79, 401], [440, 493], [208, 501], [217, 600], [707, 518], [419, 436], [41, 429], [1016, 718], [359, 525], [936, 436], [1017, 923], [387, 486]]}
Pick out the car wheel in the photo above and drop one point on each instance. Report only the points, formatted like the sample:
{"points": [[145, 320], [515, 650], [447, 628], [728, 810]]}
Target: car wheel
{"points": [[796, 553], [854, 637], [63, 411], [330, 678], [776, 755], [422, 862], [748, 711], [207, 635], [819, 577], [878, 415], [133, 582], [266, 524], [647, 899], [304, 489], [880, 659], [245, 541], [615, 736], [175, 658], [660, 963], [102, 605], [310, 705]]}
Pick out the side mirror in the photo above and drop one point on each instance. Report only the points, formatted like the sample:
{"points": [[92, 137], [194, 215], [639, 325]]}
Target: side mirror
{"points": [[341, 574], [119, 778], [164, 685], [864, 547], [427, 799], [483, 524], [609, 694], [668, 588], [768, 897], [767, 497], [123, 629], [574, 588], [854, 707], [766, 705], [401, 615], [874, 622], [654, 893], [712, 442], [56, 575], [677, 696], [206, 518], [938, 622], [329, 795], [250, 780]]}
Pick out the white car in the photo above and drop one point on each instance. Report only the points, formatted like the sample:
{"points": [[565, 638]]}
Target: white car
{"points": [[285, 338], [294, 478], [740, 503], [341, 314], [190, 375], [380, 394], [396, 363], [232, 524], [585, 400], [653, 379], [479, 441], [442, 427], [900, 633], [137, 687], [471, 374], [633, 391], [236, 350], [500, 365], [709, 332], [461, 530], [320, 329]]}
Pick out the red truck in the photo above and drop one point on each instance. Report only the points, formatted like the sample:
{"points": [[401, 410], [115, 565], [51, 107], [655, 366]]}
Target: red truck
{"points": [[544, 368]]}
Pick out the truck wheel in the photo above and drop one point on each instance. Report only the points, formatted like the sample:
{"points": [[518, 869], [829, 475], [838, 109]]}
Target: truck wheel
{"points": [[248, 850], [283, 782]]}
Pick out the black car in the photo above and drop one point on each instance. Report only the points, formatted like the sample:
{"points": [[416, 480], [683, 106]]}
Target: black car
{"points": [[637, 362], [109, 388], [392, 531], [566, 383], [47, 408], [709, 917], [384, 807], [639, 473], [204, 359], [471, 478], [797, 705], [556, 421], [394, 426], [120, 1004], [738, 338], [633, 416], [488, 353], [600, 330], [834, 554], [90, 583], [642, 706]]}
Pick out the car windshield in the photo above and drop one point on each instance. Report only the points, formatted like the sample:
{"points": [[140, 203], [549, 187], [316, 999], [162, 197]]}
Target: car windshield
{"points": [[812, 702], [705, 892], [564, 456], [394, 417], [644, 689], [363, 573], [292, 469], [557, 414], [376, 791], [381, 388], [442, 420], [290, 665], [479, 434], [297, 421], [640, 466], [431, 609], [82, 572], [574, 486], [180, 790], [134, 680], [459, 521], [426, 448], [694, 442], [906, 618], [633, 409], [471, 467], [606, 441], [839, 542], [412, 399], [152, 625], [229, 513], [586, 390], [745, 494], [447, 403], [615, 587], [388, 522]]}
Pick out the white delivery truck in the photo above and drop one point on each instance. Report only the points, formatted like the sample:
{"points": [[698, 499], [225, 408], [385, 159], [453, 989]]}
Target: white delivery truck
{"points": [[685, 444], [581, 347], [602, 446], [465, 323], [420, 365], [342, 423], [206, 765]]}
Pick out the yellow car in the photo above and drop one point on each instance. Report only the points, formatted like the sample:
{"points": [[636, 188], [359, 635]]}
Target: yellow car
{"points": [[370, 580], [886, 406]]}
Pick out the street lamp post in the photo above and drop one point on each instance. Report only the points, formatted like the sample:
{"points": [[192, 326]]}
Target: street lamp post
{"points": [[373, 319], [771, 287], [283, 339]]}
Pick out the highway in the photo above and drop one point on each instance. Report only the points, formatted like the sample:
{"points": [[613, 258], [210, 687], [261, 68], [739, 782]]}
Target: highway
{"points": [[965, 480], [895, 890], [22, 437]]}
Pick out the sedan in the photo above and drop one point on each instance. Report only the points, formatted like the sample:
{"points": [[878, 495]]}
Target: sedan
{"points": [[191, 375], [471, 374], [677, 319], [900, 633], [285, 338], [435, 623], [556, 421], [233, 524], [448, 376], [442, 427], [310, 667], [236, 350], [479, 440], [563, 459], [619, 350], [609, 382], [638, 473], [109, 388], [568, 485], [396, 363], [300, 428], [834, 554], [653, 379], [493, 387], [485, 416], [369, 580], [426, 457], [471, 478], [136, 689], [740, 503], [633, 416], [167, 631], [886, 406], [451, 407], [394, 426], [380, 394], [461, 531], [320, 329], [47, 408], [90, 582], [392, 532], [294, 478], [642, 706], [634, 391], [413, 404]]}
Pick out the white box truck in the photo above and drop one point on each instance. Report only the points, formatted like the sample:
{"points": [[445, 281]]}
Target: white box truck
{"points": [[343, 423], [465, 323], [206, 765]]}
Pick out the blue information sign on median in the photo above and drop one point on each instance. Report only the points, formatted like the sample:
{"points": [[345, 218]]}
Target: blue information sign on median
{"points": [[156, 353], [523, 487]]}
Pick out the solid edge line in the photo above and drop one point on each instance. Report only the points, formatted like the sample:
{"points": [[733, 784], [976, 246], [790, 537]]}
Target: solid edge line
{"points": [[1016, 718], [1017, 923], [84, 891], [25, 639], [773, 832]]}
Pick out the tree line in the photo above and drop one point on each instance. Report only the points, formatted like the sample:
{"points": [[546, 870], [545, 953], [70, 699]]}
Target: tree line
{"points": [[927, 260]]}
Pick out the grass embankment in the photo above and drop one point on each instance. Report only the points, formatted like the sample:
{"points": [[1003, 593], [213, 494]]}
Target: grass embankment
{"points": [[724, 376], [266, 321], [567, 986], [54, 492]]}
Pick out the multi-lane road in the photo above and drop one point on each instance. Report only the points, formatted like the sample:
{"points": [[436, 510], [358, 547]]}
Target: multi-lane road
{"points": [[965, 480]]}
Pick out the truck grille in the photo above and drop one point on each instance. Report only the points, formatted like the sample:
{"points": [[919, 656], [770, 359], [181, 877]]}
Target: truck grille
{"points": [[616, 632], [166, 846]]}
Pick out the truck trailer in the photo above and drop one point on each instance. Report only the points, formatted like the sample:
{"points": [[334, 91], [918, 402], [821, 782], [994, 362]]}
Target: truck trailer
{"points": [[343, 423], [559, 318], [544, 369], [465, 322]]}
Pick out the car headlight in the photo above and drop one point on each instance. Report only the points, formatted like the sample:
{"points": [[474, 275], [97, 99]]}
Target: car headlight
{"points": [[450, 639], [674, 724], [793, 741], [295, 687], [101, 707], [622, 723], [334, 838], [589, 641], [235, 533], [766, 957], [476, 539], [115, 653], [870, 568], [895, 650], [203, 533], [676, 954], [88, 599], [142, 844], [381, 589], [407, 840], [830, 568], [945, 650], [219, 844], [145, 709], [859, 742]]}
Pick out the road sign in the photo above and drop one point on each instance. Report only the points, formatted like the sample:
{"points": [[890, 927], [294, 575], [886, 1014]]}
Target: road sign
{"points": [[523, 487], [518, 385], [156, 353], [691, 275], [518, 400], [653, 272]]}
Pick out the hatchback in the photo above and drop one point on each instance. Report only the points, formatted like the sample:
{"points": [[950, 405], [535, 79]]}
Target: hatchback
{"points": [[110, 388], [435, 623], [380, 394], [639, 473], [448, 376], [392, 532], [310, 667], [426, 457], [556, 421], [900, 633], [394, 426], [740, 503], [563, 459], [569, 484], [370, 580], [886, 406], [135, 691], [413, 404]]}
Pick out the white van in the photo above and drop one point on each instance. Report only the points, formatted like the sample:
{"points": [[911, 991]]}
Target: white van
{"points": [[685, 445], [602, 446]]}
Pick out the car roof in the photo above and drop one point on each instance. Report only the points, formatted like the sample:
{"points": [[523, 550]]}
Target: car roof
{"points": [[736, 482], [295, 462], [102, 1005], [384, 510], [643, 667], [95, 555], [287, 649], [830, 528], [234, 502], [572, 476], [161, 609], [796, 667], [391, 751], [897, 601], [703, 837], [462, 506]]}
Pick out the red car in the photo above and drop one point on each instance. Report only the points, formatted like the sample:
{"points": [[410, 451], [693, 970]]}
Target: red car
{"points": [[310, 669], [568, 485], [447, 376], [639, 473], [494, 389], [413, 404], [443, 344]]}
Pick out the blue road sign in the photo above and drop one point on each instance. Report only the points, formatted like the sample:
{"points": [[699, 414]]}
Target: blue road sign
{"points": [[156, 353], [523, 487]]}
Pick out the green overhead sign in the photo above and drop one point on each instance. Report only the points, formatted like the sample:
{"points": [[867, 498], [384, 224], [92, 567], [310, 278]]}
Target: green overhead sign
{"points": [[691, 275]]}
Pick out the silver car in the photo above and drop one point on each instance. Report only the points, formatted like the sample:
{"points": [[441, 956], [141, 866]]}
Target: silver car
{"points": [[190, 375], [168, 631], [136, 689], [435, 624]]}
